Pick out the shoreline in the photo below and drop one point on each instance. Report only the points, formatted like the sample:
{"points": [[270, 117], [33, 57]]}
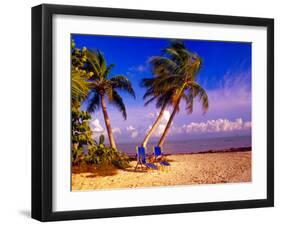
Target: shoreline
{"points": [[227, 150], [215, 167], [240, 149]]}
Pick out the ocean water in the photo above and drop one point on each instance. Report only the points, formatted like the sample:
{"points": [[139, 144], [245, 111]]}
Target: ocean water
{"points": [[194, 145]]}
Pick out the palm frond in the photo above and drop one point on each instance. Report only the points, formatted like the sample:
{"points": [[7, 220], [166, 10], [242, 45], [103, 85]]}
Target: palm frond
{"points": [[93, 102], [79, 87], [162, 65], [195, 90], [149, 92], [166, 83], [109, 92], [177, 51], [102, 63], [122, 82], [150, 100], [189, 100], [147, 82], [165, 98], [92, 64], [108, 70], [118, 102], [194, 67]]}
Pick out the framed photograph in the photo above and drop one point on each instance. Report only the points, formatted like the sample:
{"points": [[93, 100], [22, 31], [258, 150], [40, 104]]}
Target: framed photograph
{"points": [[146, 112]]}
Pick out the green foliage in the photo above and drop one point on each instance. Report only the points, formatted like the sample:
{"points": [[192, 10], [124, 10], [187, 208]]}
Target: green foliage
{"points": [[103, 85], [80, 87], [81, 132], [101, 139], [99, 154], [80, 84], [84, 81], [77, 156], [176, 69]]}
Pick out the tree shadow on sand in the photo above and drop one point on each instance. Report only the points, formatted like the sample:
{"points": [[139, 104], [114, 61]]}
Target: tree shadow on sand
{"points": [[133, 170], [104, 170]]}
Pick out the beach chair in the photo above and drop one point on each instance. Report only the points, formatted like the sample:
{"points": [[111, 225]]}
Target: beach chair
{"points": [[141, 159], [158, 157]]}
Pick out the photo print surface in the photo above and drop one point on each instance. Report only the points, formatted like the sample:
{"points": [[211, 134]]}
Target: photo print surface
{"points": [[159, 112]]}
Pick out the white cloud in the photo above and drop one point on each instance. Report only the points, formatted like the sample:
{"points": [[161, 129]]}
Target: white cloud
{"points": [[133, 131], [134, 134], [96, 126], [234, 93], [162, 125], [117, 130], [232, 96], [130, 128], [139, 68], [166, 116], [151, 115], [218, 125], [247, 125], [177, 130], [159, 130]]}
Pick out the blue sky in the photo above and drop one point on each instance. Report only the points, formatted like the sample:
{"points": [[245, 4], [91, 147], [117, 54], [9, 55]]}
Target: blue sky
{"points": [[225, 74]]}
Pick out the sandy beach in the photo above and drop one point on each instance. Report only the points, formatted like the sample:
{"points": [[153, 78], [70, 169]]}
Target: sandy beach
{"points": [[185, 169]]}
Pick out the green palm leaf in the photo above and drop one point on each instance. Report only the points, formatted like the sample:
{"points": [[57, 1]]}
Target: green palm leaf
{"points": [[80, 87], [121, 82], [93, 102], [195, 90], [118, 102]]}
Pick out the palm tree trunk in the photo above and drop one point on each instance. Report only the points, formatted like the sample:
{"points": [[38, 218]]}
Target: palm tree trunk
{"points": [[107, 123], [165, 133], [154, 126]]}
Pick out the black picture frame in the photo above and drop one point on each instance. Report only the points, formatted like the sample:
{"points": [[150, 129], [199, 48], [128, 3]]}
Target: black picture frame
{"points": [[42, 111]]}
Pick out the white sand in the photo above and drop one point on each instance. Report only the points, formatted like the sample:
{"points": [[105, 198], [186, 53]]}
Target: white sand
{"points": [[205, 168]]}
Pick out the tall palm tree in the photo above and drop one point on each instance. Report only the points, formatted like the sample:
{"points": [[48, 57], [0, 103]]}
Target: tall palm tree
{"points": [[104, 86], [161, 88], [183, 67], [154, 93]]}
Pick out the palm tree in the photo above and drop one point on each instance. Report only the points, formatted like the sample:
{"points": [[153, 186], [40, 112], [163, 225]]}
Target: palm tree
{"points": [[154, 93], [104, 86], [183, 67], [161, 88]]}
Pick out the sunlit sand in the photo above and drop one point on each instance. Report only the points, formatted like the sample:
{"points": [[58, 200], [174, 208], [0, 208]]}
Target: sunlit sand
{"points": [[185, 169]]}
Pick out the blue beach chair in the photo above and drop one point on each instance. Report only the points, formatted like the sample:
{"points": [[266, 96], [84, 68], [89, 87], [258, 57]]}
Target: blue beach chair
{"points": [[141, 159], [158, 155]]}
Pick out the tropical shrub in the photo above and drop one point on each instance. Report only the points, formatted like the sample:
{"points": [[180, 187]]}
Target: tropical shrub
{"points": [[99, 154], [81, 133]]}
